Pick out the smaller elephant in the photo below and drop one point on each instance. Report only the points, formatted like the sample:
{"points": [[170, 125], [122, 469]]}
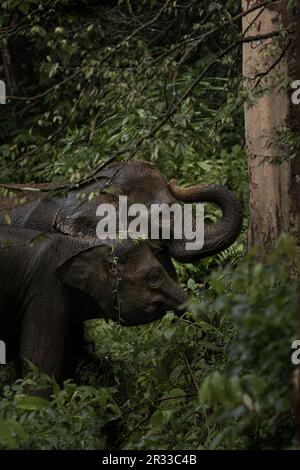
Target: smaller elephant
{"points": [[50, 284]]}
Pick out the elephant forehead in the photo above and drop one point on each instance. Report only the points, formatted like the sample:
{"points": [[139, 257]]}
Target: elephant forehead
{"points": [[136, 256], [144, 182]]}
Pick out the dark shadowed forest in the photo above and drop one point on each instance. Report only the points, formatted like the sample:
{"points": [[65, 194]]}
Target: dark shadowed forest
{"points": [[182, 349]]}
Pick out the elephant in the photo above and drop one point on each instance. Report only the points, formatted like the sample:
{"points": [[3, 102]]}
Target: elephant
{"points": [[51, 283], [74, 213]]}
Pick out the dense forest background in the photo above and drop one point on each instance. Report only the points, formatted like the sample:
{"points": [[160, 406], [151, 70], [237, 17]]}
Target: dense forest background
{"points": [[90, 82]]}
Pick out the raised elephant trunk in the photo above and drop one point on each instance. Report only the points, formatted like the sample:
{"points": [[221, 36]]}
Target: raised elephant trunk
{"points": [[218, 236]]}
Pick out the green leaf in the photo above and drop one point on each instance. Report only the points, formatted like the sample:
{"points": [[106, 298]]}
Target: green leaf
{"points": [[24, 8], [32, 403]]}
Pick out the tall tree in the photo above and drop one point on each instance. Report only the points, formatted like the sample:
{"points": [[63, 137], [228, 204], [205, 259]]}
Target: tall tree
{"points": [[274, 170], [269, 66]]}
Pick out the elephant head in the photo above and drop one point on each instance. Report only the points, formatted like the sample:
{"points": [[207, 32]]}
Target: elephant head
{"points": [[126, 280], [142, 183], [75, 213]]}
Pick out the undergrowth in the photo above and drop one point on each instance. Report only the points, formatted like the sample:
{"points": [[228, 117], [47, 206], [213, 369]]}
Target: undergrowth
{"points": [[218, 377]]}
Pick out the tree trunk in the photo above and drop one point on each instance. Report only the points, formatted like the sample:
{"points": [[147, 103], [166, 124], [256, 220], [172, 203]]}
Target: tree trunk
{"points": [[274, 205], [274, 178]]}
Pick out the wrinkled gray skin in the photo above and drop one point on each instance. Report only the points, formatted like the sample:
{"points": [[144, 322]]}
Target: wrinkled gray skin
{"points": [[50, 284], [141, 183]]}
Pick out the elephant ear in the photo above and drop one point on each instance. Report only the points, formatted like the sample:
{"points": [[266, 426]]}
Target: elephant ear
{"points": [[76, 223], [89, 272], [78, 217]]}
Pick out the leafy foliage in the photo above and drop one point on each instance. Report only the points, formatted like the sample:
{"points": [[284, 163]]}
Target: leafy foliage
{"points": [[91, 81], [218, 377], [96, 83]]}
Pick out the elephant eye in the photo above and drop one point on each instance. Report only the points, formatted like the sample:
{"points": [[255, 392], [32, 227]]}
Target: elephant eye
{"points": [[155, 277]]}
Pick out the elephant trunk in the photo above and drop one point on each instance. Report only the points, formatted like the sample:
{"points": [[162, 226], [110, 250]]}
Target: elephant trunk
{"points": [[218, 236]]}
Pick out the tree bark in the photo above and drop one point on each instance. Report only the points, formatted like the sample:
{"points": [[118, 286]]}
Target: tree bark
{"points": [[274, 205]]}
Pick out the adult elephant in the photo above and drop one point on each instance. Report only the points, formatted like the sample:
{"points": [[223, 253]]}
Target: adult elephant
{"points": [[74, 213]]}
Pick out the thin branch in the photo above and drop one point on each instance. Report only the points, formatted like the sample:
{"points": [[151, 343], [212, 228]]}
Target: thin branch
{"points": [[138, 30], [133, 149], [157, 401], [172, 109], [110, 53], [261, 75], [235, 18]]}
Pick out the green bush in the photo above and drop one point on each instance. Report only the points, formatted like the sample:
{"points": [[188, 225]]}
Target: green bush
{"points": [[255, 390], [219, 377]]}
